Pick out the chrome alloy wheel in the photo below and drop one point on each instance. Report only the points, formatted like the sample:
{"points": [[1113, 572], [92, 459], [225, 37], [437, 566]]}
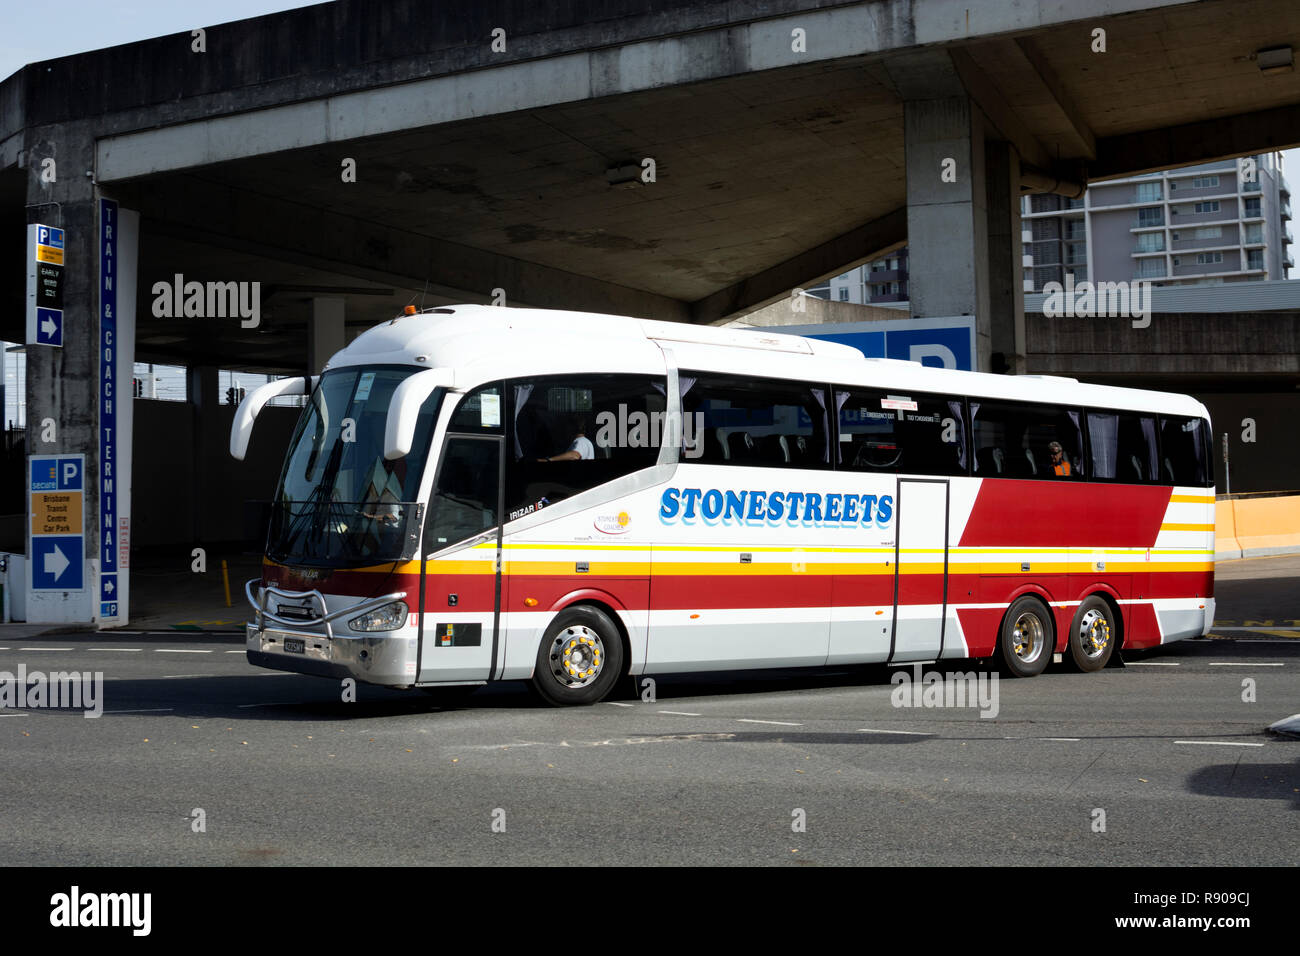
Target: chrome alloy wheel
{"points": [[1028, 638], [1094, 633], [577, 656]]}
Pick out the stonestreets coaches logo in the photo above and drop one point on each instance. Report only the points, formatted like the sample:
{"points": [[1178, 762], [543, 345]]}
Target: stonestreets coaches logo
{"points": [[757, 507]]}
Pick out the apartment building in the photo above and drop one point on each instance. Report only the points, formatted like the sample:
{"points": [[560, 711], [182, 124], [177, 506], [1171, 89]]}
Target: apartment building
{"points": [[879, 282], [1198, 225]]}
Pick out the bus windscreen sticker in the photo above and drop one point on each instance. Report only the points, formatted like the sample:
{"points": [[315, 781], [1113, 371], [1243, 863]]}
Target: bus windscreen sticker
{"points": [[364, 386], [489, 410]]}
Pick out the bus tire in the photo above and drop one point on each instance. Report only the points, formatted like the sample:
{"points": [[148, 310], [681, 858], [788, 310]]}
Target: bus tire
{"points": [[1092, 635], [1027, 640], [580, 658]]}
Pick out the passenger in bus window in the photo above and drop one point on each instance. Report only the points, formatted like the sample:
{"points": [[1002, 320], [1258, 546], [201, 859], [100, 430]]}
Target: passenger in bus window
{"points": [[1060, 464], [580, 449]]}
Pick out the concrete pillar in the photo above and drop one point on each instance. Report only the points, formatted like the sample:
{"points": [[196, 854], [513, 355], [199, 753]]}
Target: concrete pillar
{"points": [[946, 212], [1005, 258], [325, 332], [203, 390], [963, 218], [74, 403]]}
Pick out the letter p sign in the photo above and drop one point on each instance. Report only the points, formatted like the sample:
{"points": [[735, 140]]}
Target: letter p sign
{"points": [[69, 473]]}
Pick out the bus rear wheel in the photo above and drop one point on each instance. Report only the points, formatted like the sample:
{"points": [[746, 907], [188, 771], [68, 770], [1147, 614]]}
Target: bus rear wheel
{"points": [[580, 659], [1027, 640], [1092, 635]]}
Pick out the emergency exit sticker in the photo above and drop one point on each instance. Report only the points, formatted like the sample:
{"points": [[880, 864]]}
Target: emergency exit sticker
{"points": [[490, 410]]}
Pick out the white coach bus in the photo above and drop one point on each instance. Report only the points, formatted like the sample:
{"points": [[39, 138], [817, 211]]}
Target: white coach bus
{"points": [[476, 494]]}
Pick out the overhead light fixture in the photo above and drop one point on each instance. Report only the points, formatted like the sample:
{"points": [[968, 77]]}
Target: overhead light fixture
{"points": [[627, 176], [1275, 59]]}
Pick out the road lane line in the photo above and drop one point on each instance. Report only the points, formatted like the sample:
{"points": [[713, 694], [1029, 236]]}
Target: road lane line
{"points": [[180, 650], [1151, 663], [1072, 740], [179, 676], [1264, 629], [240, 651], [15, 715], [679, 713], [908, 733], [1217, 743], [143, 710], [1245, 664], [614, 703], [273, 703], [45, 648], [782, 723], [125, 650]]}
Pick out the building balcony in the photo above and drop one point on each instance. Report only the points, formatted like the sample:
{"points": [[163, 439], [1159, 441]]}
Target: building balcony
{"points": [[1147, 248], [887, 275], [1157, 222], [888, 297], [1162, 274], [1250, 187], [1217, 242]]}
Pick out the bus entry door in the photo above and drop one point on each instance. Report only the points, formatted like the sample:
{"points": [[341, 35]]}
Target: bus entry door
{"points": [[920, 569]]}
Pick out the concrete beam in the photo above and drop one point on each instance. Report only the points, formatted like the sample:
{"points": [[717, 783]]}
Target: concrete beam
{"points": [[1200, 142], [316, 238], [998, 111], [831, 258], [621, 55], [1086, 142]]}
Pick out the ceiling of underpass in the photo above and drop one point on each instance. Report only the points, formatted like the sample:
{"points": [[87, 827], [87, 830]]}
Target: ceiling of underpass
{"points": [[752, 171]]}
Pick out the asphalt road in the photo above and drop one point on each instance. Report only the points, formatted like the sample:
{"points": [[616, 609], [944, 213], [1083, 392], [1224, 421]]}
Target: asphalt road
{"points": [[712, 772]]}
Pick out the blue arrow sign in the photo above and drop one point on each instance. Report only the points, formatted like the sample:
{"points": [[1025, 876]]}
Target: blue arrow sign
{"points": [[57, 563], [49, 327]]}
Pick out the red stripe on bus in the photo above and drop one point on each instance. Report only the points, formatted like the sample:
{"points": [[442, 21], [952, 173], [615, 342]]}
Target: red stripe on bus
{"points": [[1058, 514]]}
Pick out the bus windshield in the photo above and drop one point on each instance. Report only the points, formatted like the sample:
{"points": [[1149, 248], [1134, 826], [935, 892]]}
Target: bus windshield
{"points": [[340, 502]]}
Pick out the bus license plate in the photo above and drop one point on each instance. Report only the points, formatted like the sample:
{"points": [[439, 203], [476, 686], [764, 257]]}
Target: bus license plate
{"points": [[293, 645]]}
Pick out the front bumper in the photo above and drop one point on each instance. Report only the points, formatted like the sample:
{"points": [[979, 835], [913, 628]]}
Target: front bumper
{"points": [[383, 658]]}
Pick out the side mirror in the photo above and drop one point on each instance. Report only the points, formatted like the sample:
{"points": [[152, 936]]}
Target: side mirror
{"points": [[242, 428], [404, 409]]}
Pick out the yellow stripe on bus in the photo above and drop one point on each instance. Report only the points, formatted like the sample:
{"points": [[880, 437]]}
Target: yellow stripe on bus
{"points": [[1186, 527], [1193, 499]]}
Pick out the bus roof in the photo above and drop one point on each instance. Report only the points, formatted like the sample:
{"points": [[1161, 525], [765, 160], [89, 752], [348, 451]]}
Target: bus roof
{"points": [[482, 343]]}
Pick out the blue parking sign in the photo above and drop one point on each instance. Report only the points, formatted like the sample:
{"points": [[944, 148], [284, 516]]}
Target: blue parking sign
{"points": [[58, 563]]}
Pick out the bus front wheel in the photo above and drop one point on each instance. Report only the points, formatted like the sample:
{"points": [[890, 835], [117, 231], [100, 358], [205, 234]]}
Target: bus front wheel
{"points": [[580, 659], [1027, 639]]}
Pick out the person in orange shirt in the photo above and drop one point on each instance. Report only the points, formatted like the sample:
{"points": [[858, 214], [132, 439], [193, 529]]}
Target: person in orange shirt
{"points": [[1060, 464]]}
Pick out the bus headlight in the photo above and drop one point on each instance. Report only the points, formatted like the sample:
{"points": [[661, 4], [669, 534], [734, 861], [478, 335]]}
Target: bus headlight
{"points": [[387, 618]]}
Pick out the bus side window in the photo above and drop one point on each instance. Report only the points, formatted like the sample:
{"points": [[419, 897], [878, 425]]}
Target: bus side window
{"points": [[757, 422], [891, 432], [1185, 452]]}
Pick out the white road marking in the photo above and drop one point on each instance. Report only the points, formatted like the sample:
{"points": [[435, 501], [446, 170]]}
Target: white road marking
{"points": [[273, 703], [614, 703], [15, 715], [1217, 743], [782, 723], [1264, 629], [179, 650], [909, 733], [179, 676], [130, 650], [240, 651], [1151, 663], [1244, 664], [1072, 740], [143, 710], [679, 713], [45, 648]]}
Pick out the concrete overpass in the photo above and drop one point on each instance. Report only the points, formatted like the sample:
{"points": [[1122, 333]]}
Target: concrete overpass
{"points": [[500, 148]]}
